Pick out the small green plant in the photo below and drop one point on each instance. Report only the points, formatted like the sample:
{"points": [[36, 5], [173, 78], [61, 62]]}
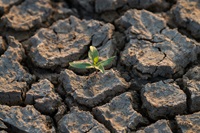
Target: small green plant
{"points": [[94, 61]]}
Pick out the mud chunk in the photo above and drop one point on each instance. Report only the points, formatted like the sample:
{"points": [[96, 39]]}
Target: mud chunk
{"points": [[14, 79], [6, 4], [43, 96], [29, 14], [10, 67], [67, 40], [78, 122], [119, 115], [186, 15], [163, 99], [192, 86], [94, 89], [189, 123], [161, 126], [12, 93], [26, 119], [153, 48]]}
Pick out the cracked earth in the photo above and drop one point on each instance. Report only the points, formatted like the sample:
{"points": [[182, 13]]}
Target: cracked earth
{"points": [[153, 85]]}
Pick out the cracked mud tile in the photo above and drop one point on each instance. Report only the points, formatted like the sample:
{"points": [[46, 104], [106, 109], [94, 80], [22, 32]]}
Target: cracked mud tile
{"points": [[192, 87], [77, 121], [186, 15], [67, 40], [14, 79], [189, 123], [154, 49], [26, 119], [94, 89], [42, 95], [119, 115], [27, 15], [163, 99], [160, 126]]}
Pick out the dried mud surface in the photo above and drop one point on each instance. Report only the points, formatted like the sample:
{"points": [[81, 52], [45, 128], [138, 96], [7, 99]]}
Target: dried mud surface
{"points": [[153, 85]]}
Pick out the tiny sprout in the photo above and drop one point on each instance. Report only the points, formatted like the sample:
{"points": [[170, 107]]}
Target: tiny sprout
{"points": [[94, 61]]}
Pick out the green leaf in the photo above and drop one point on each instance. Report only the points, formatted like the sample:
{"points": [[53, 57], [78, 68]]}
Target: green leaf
{"points": [[106, 62], [93, 55], [81, 65], [100, 68]]}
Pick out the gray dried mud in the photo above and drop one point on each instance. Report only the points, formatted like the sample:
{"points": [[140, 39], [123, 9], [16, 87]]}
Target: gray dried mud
{"points": [[153, 84]]}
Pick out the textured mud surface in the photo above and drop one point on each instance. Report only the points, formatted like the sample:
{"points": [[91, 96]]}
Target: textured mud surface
{"points": [[153, 85]]}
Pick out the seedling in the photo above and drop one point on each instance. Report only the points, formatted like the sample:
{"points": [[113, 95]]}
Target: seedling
{"points": [[94, 61]]}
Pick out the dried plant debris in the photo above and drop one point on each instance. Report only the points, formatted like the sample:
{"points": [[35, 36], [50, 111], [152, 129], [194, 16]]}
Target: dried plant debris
{"points": [[153, 49], [26, 119], [163, 100], [67, 40], [94, 89], [77, 121], [186, 15]]}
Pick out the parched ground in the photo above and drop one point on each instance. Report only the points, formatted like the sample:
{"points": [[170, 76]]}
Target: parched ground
{"points": [[152, 86]]}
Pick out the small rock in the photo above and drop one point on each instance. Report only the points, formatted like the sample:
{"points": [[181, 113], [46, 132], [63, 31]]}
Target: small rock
{"points": [[67, 40], [163, 99], [186, 15], [44, 98], [29, 14], [95, 88], [153, 49], [192, 86], [119, 115], [161, 126], [26, 119], [189, 123], [80, 122]]}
